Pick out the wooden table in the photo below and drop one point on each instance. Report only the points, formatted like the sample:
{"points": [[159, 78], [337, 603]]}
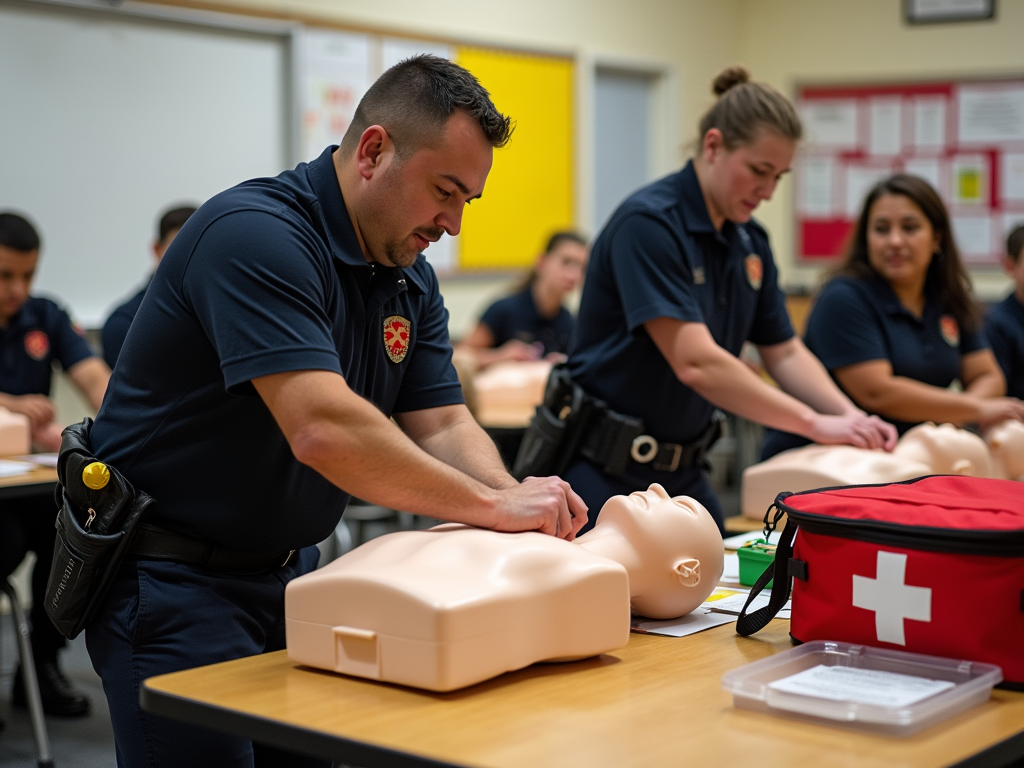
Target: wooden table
{"points": [[37, 482], [656, 702]]}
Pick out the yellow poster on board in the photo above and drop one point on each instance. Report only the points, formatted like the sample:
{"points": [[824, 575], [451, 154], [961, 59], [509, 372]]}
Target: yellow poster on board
{"points": [[529, 193]]}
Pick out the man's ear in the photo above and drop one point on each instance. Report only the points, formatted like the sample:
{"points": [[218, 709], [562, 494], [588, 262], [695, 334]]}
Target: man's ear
{"points": [[372, 146]]}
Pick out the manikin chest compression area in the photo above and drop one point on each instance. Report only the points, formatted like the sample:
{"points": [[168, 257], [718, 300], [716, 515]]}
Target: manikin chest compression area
{"points": [[452, 606]]}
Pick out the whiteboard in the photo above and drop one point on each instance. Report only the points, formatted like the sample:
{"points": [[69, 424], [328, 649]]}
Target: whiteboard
{"points": [[110, 118]]}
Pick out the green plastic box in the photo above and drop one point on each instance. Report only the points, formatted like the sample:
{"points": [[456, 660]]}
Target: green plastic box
{"points": [[754, 557]]}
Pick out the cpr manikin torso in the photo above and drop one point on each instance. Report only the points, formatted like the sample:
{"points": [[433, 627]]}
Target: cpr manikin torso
{"points": [[926, 449], [15, 434], [452, 606], [507, 393]]}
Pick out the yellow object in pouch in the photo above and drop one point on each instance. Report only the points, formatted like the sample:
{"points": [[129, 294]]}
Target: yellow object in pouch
{"points": [[96, 475]]}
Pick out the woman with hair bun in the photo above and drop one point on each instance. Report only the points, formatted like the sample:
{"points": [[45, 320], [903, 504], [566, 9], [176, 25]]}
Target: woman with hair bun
{"points": [[895, 324], [679, 279]]}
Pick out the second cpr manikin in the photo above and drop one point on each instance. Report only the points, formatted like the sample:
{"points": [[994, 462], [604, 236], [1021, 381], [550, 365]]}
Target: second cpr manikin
{"points": [[452, 606]]}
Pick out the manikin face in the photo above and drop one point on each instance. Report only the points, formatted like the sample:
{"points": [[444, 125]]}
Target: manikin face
{"points": [[17, 268], [901, 240], [410, 201], [679, 547], [946, 449], [563, 267], [740, 179]]}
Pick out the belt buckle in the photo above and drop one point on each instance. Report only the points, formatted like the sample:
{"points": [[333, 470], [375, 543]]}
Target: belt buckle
{"points": [[643, 449], [672, 466]]}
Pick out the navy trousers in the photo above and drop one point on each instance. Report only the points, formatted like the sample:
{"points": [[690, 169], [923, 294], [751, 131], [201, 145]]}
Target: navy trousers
{"points": [[596, 487], [162, 617]]}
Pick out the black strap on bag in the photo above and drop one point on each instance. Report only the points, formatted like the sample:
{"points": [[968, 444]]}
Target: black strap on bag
{"points": [[779, 569], [96, 525]]}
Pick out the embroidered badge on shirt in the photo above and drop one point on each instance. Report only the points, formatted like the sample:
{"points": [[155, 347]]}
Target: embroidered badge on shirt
{"points": [[755, 270], [396, 337], [950, 330], [37, 344], [698, 276]]}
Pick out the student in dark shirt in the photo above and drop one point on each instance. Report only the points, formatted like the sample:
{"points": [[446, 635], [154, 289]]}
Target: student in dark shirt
{"points": [[533, 323], [120, 320], [896, 324], [1004, 326], [35, 333]]}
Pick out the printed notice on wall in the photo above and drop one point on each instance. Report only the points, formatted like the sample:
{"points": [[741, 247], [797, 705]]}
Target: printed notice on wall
{"points": [[859, 181], [930, 122], [831, 123], [991, 115], [1011, 175], [816, 178], [864, 686], [970, 179], [885, 126], [973, 236], [336, 74], [929, 169]]}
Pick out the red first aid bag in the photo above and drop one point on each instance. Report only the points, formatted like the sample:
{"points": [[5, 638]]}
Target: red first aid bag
{"points": [[933, 565]]}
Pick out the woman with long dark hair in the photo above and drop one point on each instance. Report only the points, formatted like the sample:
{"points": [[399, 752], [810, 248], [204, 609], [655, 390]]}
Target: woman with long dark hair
{"points": [[896, 325]]}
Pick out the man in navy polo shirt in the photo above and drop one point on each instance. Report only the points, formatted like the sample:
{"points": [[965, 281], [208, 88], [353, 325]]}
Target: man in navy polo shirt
{"points": [[120, 320], [35, 333], [289, 320], [1004, 325]]}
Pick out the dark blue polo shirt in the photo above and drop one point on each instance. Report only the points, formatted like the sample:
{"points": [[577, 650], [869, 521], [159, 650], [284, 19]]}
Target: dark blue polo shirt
{"points": [[117, 325], [38, 334], [1004, 328], [854, 321], [266, 277], [660, 256], [517, 317]]}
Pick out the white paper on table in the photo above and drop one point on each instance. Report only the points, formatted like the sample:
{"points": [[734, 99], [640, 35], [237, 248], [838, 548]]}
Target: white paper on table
{"points": [[685, 625], [885, 126], [830, 123], [14, 468], [732, 568], [39, 459], [969, 179], [735, 542], [990, 114], [973, 236], [928, 168], [929, 122], [864, 686], [734, 604], [1011, 176], [817, 175], [859, 181]]}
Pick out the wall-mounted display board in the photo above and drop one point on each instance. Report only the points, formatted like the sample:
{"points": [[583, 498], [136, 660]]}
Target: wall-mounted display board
{"points": [[529, 192], [966, 138]]}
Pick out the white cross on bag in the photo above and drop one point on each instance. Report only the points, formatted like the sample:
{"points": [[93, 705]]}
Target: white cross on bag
{"points": [[891, 599]]}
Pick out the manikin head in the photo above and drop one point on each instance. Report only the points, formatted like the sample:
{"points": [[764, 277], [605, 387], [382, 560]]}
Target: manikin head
{"points": [[671, 548], [1006, 441], [946, 449]]}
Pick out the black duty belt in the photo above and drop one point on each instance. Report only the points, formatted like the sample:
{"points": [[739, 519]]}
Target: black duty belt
{"points": [[155, 543], [612, 440]]}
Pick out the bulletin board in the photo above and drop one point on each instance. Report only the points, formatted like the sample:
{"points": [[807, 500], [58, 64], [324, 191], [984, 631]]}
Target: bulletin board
{"points": [[965, 137]]}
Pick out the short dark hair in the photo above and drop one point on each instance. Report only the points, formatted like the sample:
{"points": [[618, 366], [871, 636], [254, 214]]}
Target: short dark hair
{"points": [[413, 100], [1015, 243], [946, 281], [567, 236], [172, 220], [17, 233]]}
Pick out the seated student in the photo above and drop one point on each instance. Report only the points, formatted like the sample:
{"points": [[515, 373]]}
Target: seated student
{"points": [[896, 325], [532, 323], [33, 333], [120, 320], [1004, 326]]}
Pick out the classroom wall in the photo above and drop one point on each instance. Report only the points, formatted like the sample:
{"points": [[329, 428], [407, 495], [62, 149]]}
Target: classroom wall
{"points": [[693, 39], [788, 42]]}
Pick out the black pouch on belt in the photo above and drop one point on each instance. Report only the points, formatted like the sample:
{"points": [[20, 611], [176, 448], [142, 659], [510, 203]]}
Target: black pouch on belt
{"points": [[99, 516], [554, 432]]}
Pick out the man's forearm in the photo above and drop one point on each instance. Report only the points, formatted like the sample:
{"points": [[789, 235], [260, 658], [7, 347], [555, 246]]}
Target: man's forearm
{"points": [[465, 446]]}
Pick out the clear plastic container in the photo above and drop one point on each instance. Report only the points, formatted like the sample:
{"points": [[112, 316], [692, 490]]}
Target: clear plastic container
{"points": [[751, 687]]}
